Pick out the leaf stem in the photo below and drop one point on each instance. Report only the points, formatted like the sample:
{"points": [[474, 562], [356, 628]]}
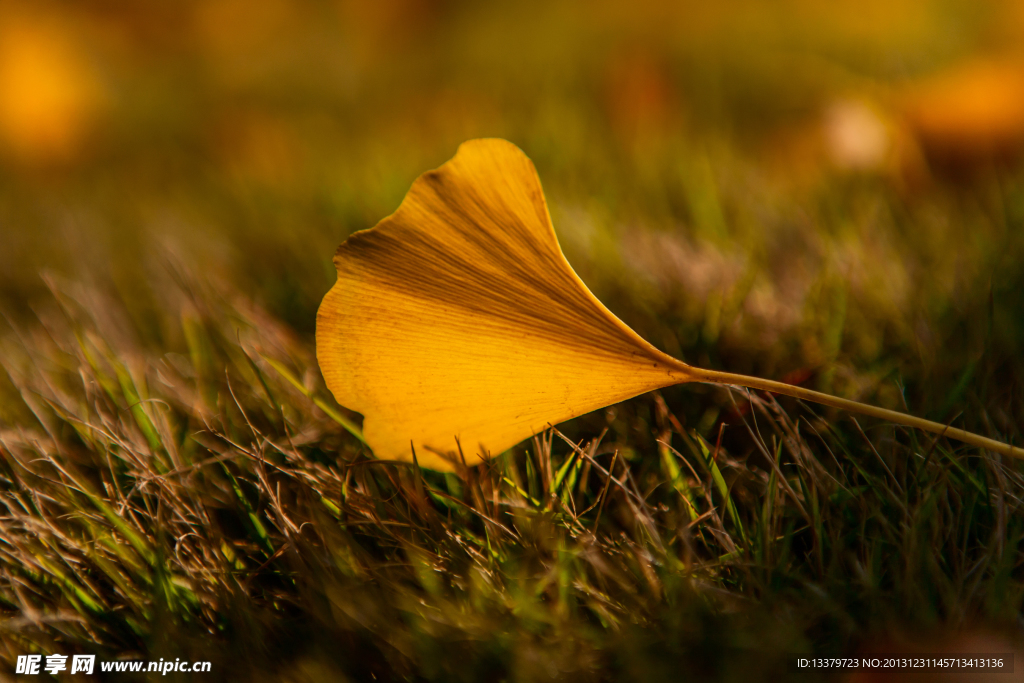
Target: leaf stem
{"points": [[716, 377]]}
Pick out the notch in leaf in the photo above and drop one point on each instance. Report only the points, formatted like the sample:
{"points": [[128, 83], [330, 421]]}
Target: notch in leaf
{"points": [[456, 323]]}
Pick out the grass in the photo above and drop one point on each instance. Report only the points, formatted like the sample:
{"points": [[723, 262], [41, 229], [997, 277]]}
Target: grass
{"points": [[211, 503]]}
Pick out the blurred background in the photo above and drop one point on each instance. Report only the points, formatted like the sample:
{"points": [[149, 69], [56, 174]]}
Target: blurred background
{"points": [[828, 193]]}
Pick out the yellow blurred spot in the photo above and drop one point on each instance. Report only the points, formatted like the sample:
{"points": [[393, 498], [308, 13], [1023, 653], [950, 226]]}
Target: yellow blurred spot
{"points": [[49, 94], [857, 135], [972, 110]]}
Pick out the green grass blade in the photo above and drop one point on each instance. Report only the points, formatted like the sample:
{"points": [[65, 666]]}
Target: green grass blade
{"points": [[350, 426]]}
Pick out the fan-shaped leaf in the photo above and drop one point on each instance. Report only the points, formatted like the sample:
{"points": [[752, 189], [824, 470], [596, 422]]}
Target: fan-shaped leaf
{"points": [[457, 324], [458, 318]]}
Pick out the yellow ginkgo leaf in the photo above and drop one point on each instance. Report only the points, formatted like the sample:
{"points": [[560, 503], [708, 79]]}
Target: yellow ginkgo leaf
{"points": [[457, 324], [459, 317]]}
